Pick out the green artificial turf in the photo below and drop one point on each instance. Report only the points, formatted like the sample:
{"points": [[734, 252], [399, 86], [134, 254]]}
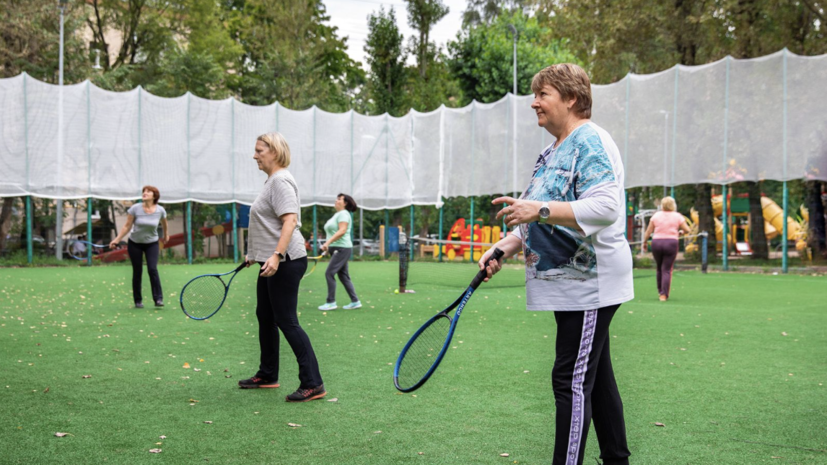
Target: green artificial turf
{"points": [[734, 367]]}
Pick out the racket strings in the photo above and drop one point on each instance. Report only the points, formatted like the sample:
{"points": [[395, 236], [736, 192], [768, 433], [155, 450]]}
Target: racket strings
{"points": [[203, 296], [423, 352]]}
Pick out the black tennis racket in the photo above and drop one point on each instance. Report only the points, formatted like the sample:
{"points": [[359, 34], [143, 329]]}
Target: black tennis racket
{"points": [[204, 295], [426, 348], [77, 249]]}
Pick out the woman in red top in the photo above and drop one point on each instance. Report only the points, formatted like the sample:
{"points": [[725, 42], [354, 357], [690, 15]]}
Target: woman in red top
{"points": [[665, 228]]}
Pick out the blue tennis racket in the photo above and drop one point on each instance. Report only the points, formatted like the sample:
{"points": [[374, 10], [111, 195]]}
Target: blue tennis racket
{"points": [[424, 351], [204, 295]]}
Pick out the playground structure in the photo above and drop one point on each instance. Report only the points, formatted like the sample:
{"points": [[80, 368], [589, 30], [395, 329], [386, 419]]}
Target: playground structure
{"points": [[739, 224], [461, 232]]}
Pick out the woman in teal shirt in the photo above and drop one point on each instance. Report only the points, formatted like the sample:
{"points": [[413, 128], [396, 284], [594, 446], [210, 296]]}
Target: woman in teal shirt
{"points": [[339, 246]]}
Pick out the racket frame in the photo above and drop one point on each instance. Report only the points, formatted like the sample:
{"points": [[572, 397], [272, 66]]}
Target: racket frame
{"points": [[88, 244], [459, 304], [226, 290]]}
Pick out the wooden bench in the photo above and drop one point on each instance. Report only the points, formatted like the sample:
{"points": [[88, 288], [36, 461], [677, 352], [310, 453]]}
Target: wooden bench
{"points": [[423, 249]]}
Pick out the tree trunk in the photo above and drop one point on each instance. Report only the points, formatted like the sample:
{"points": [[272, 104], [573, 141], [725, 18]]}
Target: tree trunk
{"points": [[817, 235], [757, 234], [5, 220], [706, 217]]}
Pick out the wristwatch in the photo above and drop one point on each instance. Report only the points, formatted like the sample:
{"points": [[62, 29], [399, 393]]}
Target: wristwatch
{"points": [[280, 255], [544, 211]]}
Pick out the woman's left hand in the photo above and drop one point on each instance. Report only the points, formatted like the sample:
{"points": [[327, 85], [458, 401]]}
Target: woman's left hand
{"points": [[270, 266], [519, 211], [166, 239], [324, 247]]}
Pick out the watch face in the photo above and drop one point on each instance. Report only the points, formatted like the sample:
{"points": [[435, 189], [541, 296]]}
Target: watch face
{"points": [[544, 212]]}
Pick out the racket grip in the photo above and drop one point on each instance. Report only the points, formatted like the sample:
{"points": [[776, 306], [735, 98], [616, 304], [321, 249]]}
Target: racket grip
{"points": [[242, 266], [496, 255]]}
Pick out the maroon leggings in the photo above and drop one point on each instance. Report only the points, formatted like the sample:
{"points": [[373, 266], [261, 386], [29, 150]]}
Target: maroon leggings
{"points": [[665, 252]]}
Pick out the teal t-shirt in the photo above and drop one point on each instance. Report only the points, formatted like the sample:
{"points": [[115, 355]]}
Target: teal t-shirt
{"points": [[332, 226]]}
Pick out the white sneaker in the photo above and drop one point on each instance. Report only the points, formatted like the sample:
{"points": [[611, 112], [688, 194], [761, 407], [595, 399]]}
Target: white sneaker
{"points": [[353, 305], [329, 306]]}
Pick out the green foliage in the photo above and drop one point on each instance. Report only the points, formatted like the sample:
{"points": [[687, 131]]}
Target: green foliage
{"points": [[30, 40], [482, 56], [292, 56], [386, 58], [422, 16]]}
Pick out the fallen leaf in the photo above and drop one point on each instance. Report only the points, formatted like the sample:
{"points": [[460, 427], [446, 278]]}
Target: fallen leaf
{"points": [[186, 365], [46, 390], [503, 455], [335, 399], [377, 432], [162, 437], [155, 451], [783, 333], [659, 424], [87, 376], [208, 422], [60, 435], [294, 425]]}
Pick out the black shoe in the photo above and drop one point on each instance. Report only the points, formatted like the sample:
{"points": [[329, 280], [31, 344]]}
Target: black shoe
{"points": [[139, 305], [255, 382], [159, 303], [303, 395]]}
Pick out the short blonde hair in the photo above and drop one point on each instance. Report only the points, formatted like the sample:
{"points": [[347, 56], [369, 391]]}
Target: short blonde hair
{"points": [[571, 81], [668, 204], [278, 145]]}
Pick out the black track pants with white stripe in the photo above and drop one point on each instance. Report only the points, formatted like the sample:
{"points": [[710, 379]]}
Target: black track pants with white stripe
{"points": [[585, 389]]}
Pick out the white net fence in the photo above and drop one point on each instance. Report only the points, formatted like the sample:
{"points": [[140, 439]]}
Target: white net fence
{"points": [[728, 121]]}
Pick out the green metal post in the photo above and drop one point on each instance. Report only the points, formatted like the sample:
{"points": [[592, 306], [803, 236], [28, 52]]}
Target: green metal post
{"points": [[410, 235], [235, 233], [189, 232], [29, 228], [471, 236], [89, 206], [315, 234], [441, 210], [387, 230], [725, 221], [784, 237]]}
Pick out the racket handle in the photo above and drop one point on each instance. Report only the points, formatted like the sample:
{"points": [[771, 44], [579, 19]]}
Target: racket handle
{"points": [[498, 254], [242, 266]]}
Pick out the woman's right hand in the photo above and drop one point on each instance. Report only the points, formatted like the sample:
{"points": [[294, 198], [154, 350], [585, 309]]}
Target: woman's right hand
{"points": [[113, 244], [492, 267], [248, 261]]}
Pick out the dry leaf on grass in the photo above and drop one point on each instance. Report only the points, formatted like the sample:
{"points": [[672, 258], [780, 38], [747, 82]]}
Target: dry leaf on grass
{"points": [[335, 399], [86, 376], [294, 425], [155, 451], [60, 435], [503, 455], [208, 422], [657, 423], [186, 365]]}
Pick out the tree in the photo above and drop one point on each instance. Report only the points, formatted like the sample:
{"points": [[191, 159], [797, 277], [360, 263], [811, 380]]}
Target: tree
{"points": [[482, 56], [386, 59], [292, 56], [422, 16], [486, 11]]}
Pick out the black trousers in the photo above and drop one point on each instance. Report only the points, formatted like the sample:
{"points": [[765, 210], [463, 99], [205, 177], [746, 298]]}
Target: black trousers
{"points": [[276, 300], [136, 256], [585, 389]]}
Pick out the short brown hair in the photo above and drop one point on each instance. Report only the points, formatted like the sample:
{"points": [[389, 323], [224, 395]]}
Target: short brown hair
{"points": [[571, 81], [278, 145], [156, 194]]}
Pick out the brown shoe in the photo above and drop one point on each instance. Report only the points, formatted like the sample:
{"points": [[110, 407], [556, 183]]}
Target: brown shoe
{"points": [[663, 298]]}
